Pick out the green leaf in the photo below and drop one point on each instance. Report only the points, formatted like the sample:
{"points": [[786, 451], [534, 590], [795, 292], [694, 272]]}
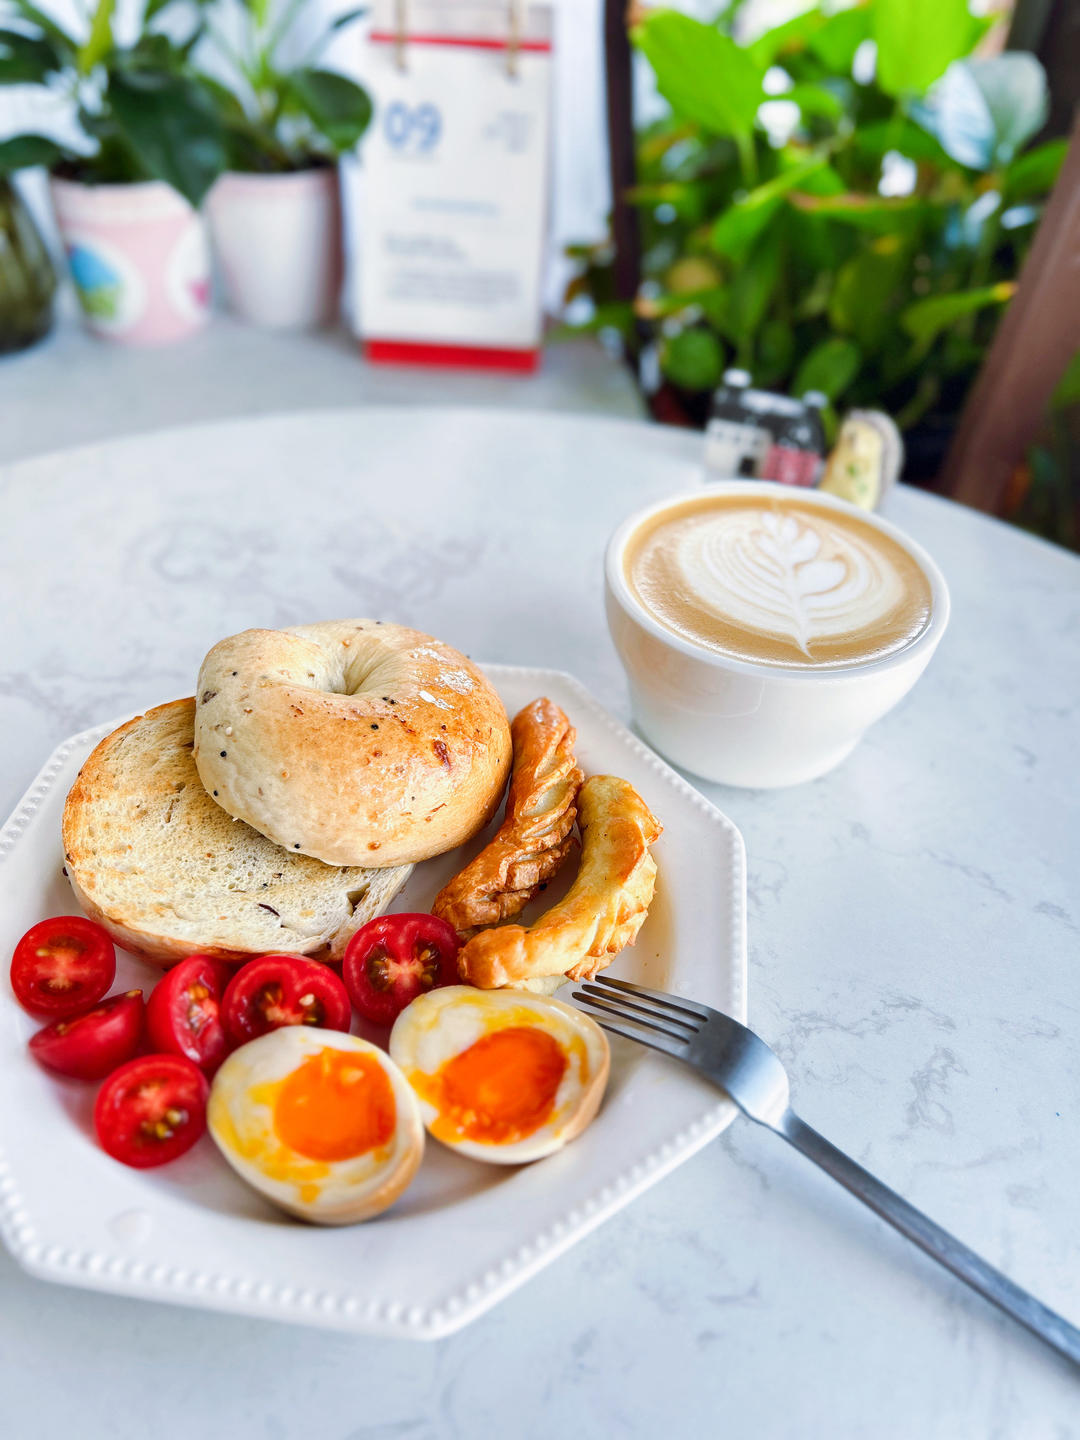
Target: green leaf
{"points": [[790, 38], [25, 59], [815, 100], [47, 25], [24, 152], [1033, 175], [902, 135], [226, 102], [688, 198], [917, 41], [153, 9], [693, 359], [774, 352], [830, 367], [879, 214], [925, 320], [866, 286], [166, 122], [340, 21], [984, 111], [836, 41], [617, 315], [702, 74], [338, 108], [736, 230], [100, 39], [1067, 391], [676, 302], [752, 287]]}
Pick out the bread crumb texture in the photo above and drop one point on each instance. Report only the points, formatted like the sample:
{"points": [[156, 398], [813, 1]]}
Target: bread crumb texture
{"points": [[155, 858]]}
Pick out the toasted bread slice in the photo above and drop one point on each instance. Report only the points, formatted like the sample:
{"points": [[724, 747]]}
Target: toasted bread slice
{"points": [[154, 859]]}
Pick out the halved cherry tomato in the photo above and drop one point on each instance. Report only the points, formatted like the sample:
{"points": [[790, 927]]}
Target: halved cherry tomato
{"points": [[62, 965], [391, 960], [151, 1110], [91, 1045], [183, 1014], [281, 990]]}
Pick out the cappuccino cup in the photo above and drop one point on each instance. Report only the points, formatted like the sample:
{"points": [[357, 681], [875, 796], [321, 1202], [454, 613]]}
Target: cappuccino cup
{"points": [[764, 629]]}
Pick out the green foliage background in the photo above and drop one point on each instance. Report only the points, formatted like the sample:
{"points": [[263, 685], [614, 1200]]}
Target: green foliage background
{"points": [[786, 257], [148, 111]]}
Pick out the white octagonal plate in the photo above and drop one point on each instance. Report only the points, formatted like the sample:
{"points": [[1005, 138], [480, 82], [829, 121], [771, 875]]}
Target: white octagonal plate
{"points": [[465, 1234]]}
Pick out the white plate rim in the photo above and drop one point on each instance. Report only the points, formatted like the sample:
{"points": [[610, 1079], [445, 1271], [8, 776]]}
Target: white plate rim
{"points": [[132, 1277]]}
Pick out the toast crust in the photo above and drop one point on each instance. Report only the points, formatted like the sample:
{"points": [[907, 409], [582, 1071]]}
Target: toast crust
{"points": [[153, 858]]}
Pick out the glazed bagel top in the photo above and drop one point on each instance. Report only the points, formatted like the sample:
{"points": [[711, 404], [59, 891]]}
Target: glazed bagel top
{"points": [[353, 741]]}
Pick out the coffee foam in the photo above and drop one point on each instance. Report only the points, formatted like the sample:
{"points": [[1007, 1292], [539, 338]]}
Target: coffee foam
{"points": [[778, 581]]}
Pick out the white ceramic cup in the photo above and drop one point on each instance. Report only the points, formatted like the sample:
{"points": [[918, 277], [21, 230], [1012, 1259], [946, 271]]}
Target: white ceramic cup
{"points": [[742, 723]]}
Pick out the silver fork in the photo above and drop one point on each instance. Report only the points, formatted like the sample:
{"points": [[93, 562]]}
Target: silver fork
{"points": [[740, 1063]]}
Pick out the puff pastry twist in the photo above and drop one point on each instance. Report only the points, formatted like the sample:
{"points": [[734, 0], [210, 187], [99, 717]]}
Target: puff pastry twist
{"points": [[600, 914], [535, 836]]}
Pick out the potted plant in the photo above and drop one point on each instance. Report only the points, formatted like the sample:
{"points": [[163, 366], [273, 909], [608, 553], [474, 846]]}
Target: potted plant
{"points": [[275, 217], [125, 198], [27, 277], [828, 213]]}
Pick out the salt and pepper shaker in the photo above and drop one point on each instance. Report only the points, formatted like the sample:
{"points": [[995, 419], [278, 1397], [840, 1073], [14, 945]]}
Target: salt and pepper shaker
{"points": [[755, 434]]}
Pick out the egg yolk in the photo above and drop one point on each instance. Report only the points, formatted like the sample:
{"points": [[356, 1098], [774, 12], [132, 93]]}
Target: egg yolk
{"points": [[502, 1088], [335, 1106]]}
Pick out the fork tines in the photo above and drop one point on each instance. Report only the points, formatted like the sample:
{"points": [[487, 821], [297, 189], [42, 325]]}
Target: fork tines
{"points": [[651, 1017], [660, 998]]}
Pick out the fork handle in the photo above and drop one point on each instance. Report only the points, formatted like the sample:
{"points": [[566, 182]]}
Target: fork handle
{"points": [[964, 1263]]}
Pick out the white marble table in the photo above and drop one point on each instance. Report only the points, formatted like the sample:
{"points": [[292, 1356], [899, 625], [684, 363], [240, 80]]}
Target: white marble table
{"points": [[913, 928], [72, 390]]}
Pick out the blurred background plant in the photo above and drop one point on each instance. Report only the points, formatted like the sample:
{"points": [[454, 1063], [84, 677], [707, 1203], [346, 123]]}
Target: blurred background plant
{"points": [[141, 110], [840, 204], [281, 116], [27, 277], [1044, 495]]}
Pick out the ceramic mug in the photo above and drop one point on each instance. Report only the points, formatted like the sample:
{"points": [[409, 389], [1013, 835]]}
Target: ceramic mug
{"points": [[753, 724], [139, 257]]}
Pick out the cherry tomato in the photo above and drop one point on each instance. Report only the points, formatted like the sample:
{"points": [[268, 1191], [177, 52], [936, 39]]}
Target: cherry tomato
{"points": [[62, 965], [281, 990], [183, 1014], [91, 1045], [391, 960], [151, 1110]]}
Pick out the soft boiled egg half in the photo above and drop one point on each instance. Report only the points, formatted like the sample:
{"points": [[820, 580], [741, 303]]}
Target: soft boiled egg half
{"points": [[501, 1075], [322, 1123]]}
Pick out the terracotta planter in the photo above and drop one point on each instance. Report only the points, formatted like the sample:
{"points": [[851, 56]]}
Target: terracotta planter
{"points": [[139, 257], [278, 244]]}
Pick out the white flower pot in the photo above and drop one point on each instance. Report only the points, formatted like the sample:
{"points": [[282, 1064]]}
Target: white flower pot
{"points": [[139, 257], [277, 239]]}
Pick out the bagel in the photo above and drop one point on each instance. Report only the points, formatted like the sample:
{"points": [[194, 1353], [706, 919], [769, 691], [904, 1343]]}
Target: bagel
{"points": [[152, 858], [351, 741]]}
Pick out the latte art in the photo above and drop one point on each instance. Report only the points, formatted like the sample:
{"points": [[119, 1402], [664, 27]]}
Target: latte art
{"points": [[791, 574], [783, 581]]}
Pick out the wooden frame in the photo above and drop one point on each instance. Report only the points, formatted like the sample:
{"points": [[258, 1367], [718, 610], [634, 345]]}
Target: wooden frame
{"points": [[1037, 337]]}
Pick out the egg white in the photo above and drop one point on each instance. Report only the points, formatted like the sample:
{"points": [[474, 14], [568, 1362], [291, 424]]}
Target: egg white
{"points": [[330, 1192], [443, 1023]]}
